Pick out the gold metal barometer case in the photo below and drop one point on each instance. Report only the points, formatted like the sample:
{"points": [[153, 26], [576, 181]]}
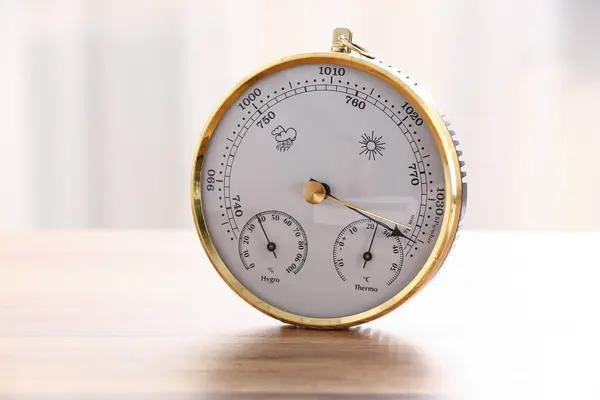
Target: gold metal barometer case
{"points": [[344, 54]]}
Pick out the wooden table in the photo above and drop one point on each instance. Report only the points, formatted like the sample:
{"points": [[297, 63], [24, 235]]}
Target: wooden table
{"points": [[143, 315]]}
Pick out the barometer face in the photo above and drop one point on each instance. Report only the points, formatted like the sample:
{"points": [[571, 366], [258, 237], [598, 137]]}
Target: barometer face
{"points": [[386, 173]]}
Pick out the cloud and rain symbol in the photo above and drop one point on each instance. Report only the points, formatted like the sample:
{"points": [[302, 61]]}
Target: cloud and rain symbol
{"points": [[284, 137]]}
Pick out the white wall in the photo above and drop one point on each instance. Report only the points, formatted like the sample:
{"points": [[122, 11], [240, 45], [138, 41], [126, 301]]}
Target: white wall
{"points": [[101, 102]]}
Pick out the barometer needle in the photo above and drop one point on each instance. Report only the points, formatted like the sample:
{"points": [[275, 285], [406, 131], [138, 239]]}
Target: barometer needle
{"points": [[270, 245], [315, 192], [361, 211]]}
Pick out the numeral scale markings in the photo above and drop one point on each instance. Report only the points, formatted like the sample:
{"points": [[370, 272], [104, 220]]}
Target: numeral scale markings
{"points": [[334, 88]]}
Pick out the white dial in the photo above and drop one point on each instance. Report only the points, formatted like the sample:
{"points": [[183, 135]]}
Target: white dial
{"points": [[367, 144]]}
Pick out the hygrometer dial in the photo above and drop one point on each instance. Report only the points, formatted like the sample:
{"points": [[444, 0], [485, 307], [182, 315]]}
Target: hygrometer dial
{"points": [[274, 244]]}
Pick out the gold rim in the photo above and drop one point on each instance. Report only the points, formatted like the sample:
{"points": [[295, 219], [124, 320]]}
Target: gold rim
{"points": [[452, 178]]}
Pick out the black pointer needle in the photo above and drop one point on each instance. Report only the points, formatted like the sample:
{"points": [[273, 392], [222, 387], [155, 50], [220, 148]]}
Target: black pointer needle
{"points": [[368, 256], [395, 230], [270, 245]]}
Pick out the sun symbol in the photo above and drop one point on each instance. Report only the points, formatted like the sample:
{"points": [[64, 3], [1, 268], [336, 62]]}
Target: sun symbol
{"points": [[371, 146]]}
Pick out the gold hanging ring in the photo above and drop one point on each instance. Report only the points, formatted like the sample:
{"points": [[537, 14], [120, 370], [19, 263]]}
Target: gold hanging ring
{"points": [[354, 47]]}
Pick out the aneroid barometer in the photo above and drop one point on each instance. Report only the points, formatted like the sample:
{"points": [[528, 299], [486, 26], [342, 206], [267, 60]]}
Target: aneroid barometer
{"points": [[327, 188]]}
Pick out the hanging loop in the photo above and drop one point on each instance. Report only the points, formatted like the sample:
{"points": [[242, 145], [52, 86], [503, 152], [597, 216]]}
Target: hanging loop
{"points": [[355, 47]]}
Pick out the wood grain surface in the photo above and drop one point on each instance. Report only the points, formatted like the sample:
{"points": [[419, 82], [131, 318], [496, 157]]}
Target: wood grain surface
{"points": [[142, 315]]}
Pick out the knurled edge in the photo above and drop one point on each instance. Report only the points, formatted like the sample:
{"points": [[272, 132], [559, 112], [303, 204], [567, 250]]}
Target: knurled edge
{"points": [[457, 146]]}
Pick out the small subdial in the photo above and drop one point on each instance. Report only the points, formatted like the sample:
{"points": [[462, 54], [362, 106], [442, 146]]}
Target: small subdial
{"points": [[367, 255], [274, 243]]}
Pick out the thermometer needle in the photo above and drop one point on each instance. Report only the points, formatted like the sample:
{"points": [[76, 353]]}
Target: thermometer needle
{"points": [[270, 245], [368, 256], [315, 192]]}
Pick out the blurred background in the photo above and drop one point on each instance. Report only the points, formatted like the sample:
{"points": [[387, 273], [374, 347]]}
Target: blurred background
{"points": [[102, 102]]}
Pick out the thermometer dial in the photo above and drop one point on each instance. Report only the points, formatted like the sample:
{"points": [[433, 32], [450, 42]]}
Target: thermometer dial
{"points": [[367, 256], [340, 151]]}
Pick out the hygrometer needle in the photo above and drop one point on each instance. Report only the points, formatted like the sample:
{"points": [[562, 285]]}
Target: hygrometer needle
{"points": [[368, 256], [270, 245]]}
